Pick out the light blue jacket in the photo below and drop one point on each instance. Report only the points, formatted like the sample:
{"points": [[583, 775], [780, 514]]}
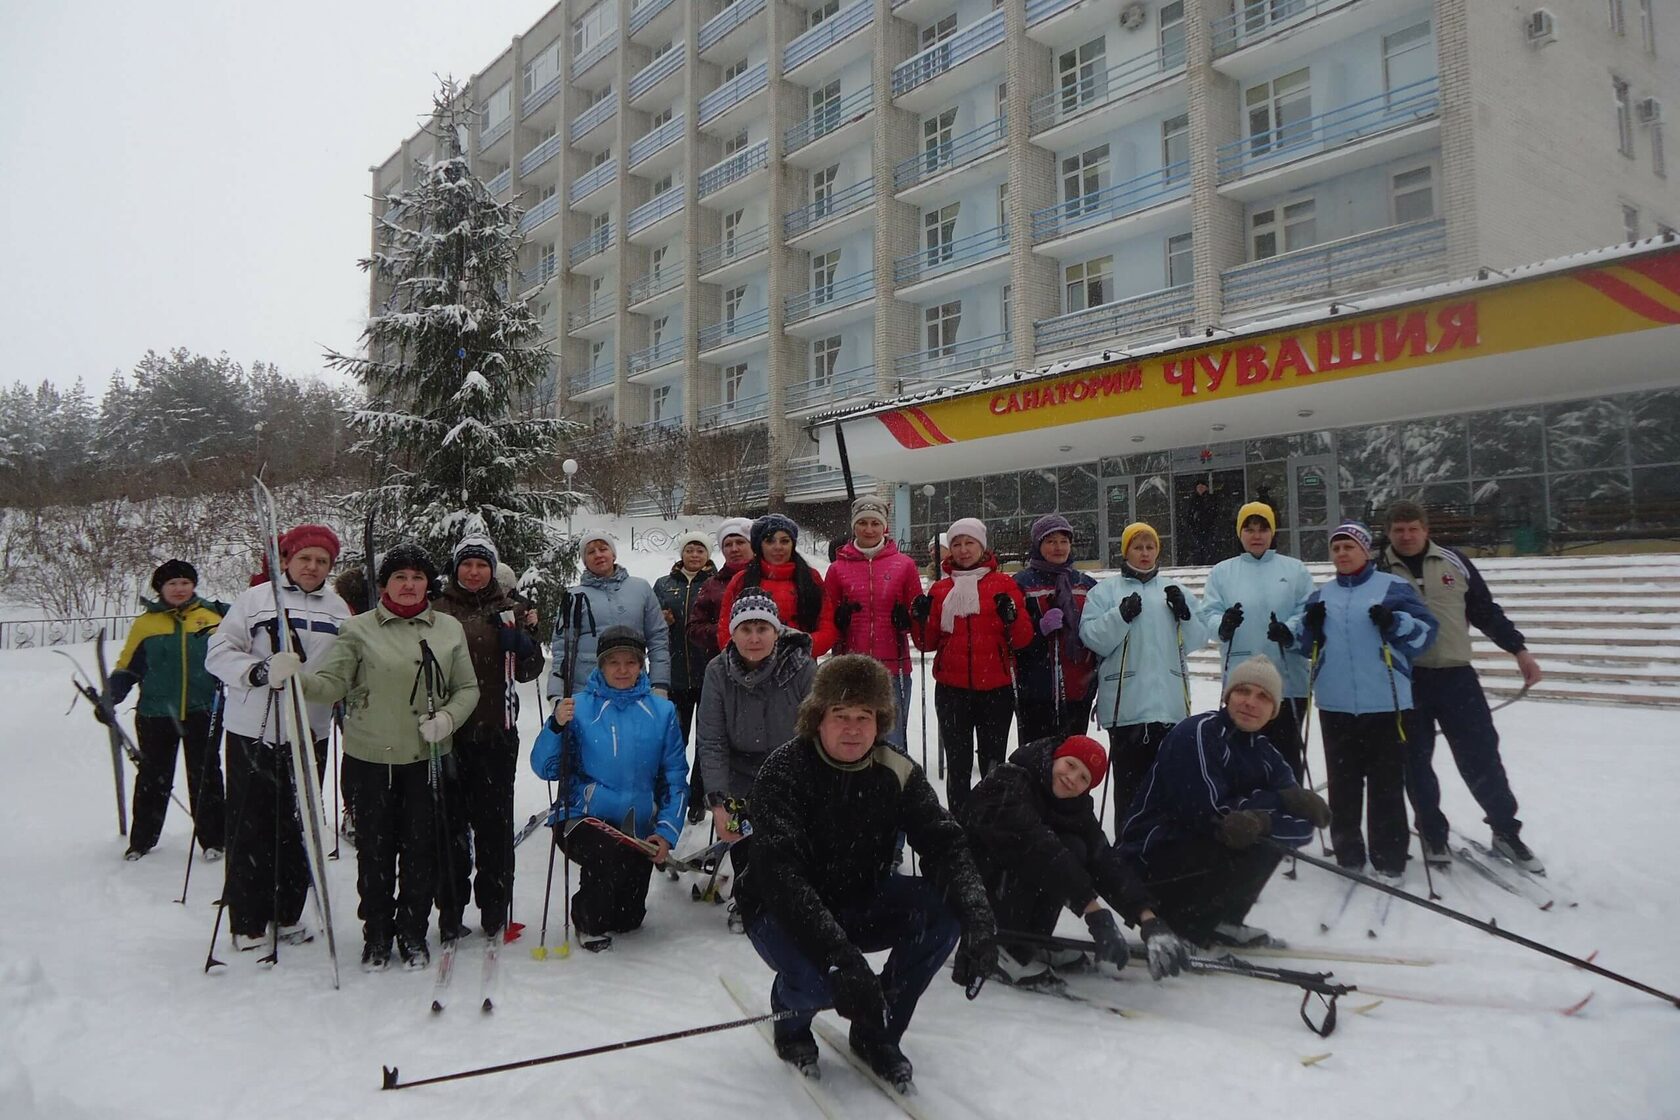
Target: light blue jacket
{"points": [[1352, 675], [1155, 684], [626, 755], [619, 599], [1272, 584]]}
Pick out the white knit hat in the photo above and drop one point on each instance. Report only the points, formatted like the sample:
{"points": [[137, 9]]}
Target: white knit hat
{"points": [[694, 536], [968, 527], [734, 527], [589, 536]]}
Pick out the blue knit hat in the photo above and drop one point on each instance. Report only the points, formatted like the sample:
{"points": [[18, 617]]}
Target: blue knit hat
{"points": [[771, 523], [1356, 531]]}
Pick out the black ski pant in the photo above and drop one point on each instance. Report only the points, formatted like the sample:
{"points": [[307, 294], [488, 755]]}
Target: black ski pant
{"points": [[397, 842], [1020, 896], [1284, 731], [1037, 717], [267, 867], [1366, 765], [156, 737], [1131, 752], [613, 881], [686, 700], [1453, 698], [1199, 883], [478, 779], [967, 715]]}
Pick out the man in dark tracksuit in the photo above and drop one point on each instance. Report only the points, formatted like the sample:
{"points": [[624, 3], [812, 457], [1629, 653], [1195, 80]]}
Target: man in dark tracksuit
{"points": [[1446, 690]]}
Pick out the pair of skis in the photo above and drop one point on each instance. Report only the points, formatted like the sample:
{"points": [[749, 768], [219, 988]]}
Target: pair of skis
{"points": [[488, 974]]}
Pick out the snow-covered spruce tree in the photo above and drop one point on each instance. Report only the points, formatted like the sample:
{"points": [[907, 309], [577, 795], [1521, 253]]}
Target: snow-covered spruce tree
{"points": [[446, 362]]}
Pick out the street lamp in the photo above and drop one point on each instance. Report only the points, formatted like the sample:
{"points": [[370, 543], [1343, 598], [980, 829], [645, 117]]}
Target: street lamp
{"points": [[570, 467]]}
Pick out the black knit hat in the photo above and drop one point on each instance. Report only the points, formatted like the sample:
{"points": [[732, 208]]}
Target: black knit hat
{"points": [[406, 555], [619, 637], [173, 569], [772, 523]]}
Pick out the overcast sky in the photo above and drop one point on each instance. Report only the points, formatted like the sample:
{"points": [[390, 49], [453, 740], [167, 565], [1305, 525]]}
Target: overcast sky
{"points": [[195, 174]]}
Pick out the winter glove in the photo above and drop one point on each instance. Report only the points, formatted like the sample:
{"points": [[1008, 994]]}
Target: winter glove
{"points": [[1243, 828], [1228, 622], [1131, 606], [857, 993], [282, 667], [1050, 621], [1176, 603], [900, 617], [1313, 617], [1382, 617], [977, 957], [922, 607], [1006, 609], [1167, 954], [1279, 633], [1304, 803], [102, 703], [511, 640], [121, 682], [1111, 947], [435, 729], [844, 613]]}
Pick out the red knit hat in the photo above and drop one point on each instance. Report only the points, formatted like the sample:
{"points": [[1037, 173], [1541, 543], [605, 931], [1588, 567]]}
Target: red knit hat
{"points": [[1088, 751], [301, 537]]}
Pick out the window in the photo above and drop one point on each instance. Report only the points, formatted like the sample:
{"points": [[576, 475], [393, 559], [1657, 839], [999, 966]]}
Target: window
{"points": [[542, 68], [594, 26], [659, 325], [663, 117], [731, 230], [734, 377], [600, 413], [547, 191], [596, 350], [1181, 260], [662, 49], [1282, 229], [1175, 149], [936, 138], [498, 107], [1082, 74], [1630, 222], [939, 32], [1408, 58], [591, 99], [600, 225], [825, 106], [599, 158], [941, 322], [662, 402], [824, 266], [825, 359], [734, 70], [1088, 284], [1624, 118], [1003, 208], [1083, 176], [822, 190], [1277, 110], [1172, 35], [1659, 161], [1648, 26], [821, 12], [1003, 103], [939, 230], [1617, 25], [546, 258], [1006, 298], [732, 301], [1413, 194], [735, 143], [662, 184]]}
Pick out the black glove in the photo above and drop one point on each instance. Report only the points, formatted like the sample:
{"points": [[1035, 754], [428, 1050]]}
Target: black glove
{"points": [[1244, 828], [1111, 947], [1382, 617], [1005, 607], [1228, 622], [563, 610], [1167, 954], [900, 617], [921, 607], [857, 993], [1314, 619], [1304, 803], [1176, 603], [843, 613], [1131, 606], [101, 705], [511, 640], [977, 957], [1280, 633]]}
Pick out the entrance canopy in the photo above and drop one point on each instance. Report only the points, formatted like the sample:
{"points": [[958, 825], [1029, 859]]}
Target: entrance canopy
{"points": [[1594, 324]]}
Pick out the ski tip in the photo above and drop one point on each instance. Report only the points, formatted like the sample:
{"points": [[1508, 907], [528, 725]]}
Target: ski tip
{"points": [[437, 1007], [388, 1077], [1310, 1060], [488, 1006], [1368, 1008], [1574, 1008]]}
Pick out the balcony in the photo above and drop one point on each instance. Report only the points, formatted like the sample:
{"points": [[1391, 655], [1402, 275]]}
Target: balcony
{"points": [[500, 183], [540, 96], [531, 279], [660, 354], [849, 291], [713, 31], [593, 117], [741, 410], [1124, 322], [1255, 20], [921, 70], [821, 39], [953, 256], [848, 200], [646, 12], [593, 180], [844, 385], [827, 121], [596, 310], [1379, 127], [592, 246], [1078, 99], [590, 380], [494, 132], [539, 155], [732, 93], [655, 283], [1119, 200], [733, 251], [735, 169], [651, 211], [539, 213], [741, 327], [962, 150], [1409, 253], [583, 62], [644, 147], [813, 480], [1040, 10], [647, 79], [941, 362]]}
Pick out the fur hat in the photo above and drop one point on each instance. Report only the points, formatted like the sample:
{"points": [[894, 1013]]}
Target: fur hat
{"points": [[772, 523], [735, 527], [619, 637], [406, 556], [871, 505], [300, 537], [1132, 531], [1256, 509], [173, 569], [1356, 531], [474, 547], [967, 527], [850, 678], [1262, 674], [1088, 751], [754, 603], [695, 536]]}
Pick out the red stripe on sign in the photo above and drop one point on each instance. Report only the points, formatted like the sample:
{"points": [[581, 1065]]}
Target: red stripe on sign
{"points": [[1665, 270], [1629, 297], [899, 427], [929, 426]]}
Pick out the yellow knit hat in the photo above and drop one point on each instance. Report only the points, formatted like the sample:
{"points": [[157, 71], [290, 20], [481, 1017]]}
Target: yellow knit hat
{"points": [[1133, 530], [1256, 509]]}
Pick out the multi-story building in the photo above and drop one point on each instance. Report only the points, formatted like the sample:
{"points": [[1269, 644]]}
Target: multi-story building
{"points": [[765, 210]]}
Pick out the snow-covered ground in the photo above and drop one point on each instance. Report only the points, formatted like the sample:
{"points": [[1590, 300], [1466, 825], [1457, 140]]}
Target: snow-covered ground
{"points": [[105, 1010]]}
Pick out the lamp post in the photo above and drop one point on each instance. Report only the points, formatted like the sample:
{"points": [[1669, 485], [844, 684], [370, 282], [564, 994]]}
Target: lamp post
{"points": [[570, 467]]}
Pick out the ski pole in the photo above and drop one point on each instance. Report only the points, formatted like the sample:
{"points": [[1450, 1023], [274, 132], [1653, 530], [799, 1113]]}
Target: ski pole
{"points": [[1428, 875], [1119, 686], [203, 776], [1183, 666], [541, 951], [1306, 738], [390, 1080], [1477, 923], [1506, 703], [338, 811], [1394, 692]]}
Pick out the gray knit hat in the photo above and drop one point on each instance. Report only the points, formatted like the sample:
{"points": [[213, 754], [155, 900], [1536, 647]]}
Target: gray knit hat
{"points": [[475, 546], [619, 637], [871, 505], [1262, 674]]}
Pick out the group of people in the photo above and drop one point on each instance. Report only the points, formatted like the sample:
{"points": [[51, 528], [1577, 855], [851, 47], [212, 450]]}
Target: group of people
{"points": [[700, 699]]}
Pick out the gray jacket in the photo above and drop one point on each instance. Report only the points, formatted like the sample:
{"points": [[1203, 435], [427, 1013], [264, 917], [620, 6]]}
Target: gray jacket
{"points": [[597, 602], [745, 714]]}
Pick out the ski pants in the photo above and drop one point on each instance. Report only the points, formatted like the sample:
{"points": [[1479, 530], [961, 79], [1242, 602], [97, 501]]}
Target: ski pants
{"points": [[1199, 883], [965, 715], [480, 817], [686, 700], [396, 832], [613, 881], [1020, 897], [156, 737], [1284, 731], [1367, 765], [907, 914], [267, 867], [899, 734], [1037, 718], [1453, 699], [1131, 752]]}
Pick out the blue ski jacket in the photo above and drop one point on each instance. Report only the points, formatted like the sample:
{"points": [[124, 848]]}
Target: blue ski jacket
{"points": [[1271, 584], [1155, 682], [1352, 675]]}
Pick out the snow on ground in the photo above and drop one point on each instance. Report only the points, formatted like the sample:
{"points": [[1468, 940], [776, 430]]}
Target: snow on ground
{"points": [[105, 1010]]}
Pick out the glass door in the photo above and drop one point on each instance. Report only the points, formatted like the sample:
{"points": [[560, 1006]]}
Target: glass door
{"points": [[1155, 506], [1313, 509], [1115, 513]]}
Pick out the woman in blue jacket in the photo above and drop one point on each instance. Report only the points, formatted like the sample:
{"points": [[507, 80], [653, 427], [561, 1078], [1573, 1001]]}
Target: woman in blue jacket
{"points": [[1142, 625], [1248, 601], [618, 753], [1364, 627]]}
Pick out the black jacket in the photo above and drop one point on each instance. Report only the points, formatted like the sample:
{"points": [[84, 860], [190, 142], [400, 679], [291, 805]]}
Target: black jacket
{"points": [[1016, 823], [823, 840], [677, 593]]}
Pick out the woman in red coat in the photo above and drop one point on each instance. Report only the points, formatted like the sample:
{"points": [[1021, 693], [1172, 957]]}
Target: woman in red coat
{"points": [[784, 575], [973, 620]]}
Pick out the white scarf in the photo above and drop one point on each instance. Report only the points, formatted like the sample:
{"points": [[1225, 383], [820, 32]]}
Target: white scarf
{"points": [[871, 553], [963, 599]]}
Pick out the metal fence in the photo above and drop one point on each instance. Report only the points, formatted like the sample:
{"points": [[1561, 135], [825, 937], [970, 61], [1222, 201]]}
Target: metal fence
{"points": [[46, 633]]}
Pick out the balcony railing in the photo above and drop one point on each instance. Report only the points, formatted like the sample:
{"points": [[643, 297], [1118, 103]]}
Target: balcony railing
{"points": [[661, 206], [714, 29], [495, 132], [743, 244], [651, 74], [597, 114], [1401, 106], [958, 150], [842, 385], [825, 34], [919, 69], [925, 264], [1123, 320], [811, 476], [735, 168], [733, 92], [1040, 10], [1255, 19], [643, 14], [655, 282], [593, 180], [829, 297], [539, 213], [841, 202], [540, 154], [500, 182], [596, 243], [1358, 263], [595, 54], [1128, 197], [749, 324], [594, 378], [541, 96], [657, 140], [536, 277], [596, 309], [836, 114], [942, 361], [739, 411], [1095, 90], [659, 354]]}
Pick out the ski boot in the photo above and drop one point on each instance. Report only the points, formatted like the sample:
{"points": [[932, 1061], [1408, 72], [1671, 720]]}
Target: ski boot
{"points": [[1245, 937], [295, 933], [213, 855], [416, 954], [1031, 972], [132, 855], [798, 1047], [376, 956], [884, 1057], [1520, 855], [1436, 853]]}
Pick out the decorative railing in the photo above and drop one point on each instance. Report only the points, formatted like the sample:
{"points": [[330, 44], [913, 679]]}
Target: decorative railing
{"points": [[1359, 120], [541, 96], [656, 140], [539, 213], [596, 309], [743, 244], [921, 68], [593, 180], [811, 476], [1115, 201], [1123, 320], [643, 14], [836, 114], [651, 74], [500, 182], [495, 132], [536, 277], [734, 168], [840, 386], [540, 154], [942, 361], [733, 92], [595, 377], [1040, 10], [822, 298], [649, 212], [1408, 252], [595, 54], [655, 282], [1096, 90], [739, 411], [1256, 19], [827, 33], [45, 633], [845, 201], [597, 114], [749, 324], [955, 152], [659, 354], [593, 245], [925, 264], [714, 29]]}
